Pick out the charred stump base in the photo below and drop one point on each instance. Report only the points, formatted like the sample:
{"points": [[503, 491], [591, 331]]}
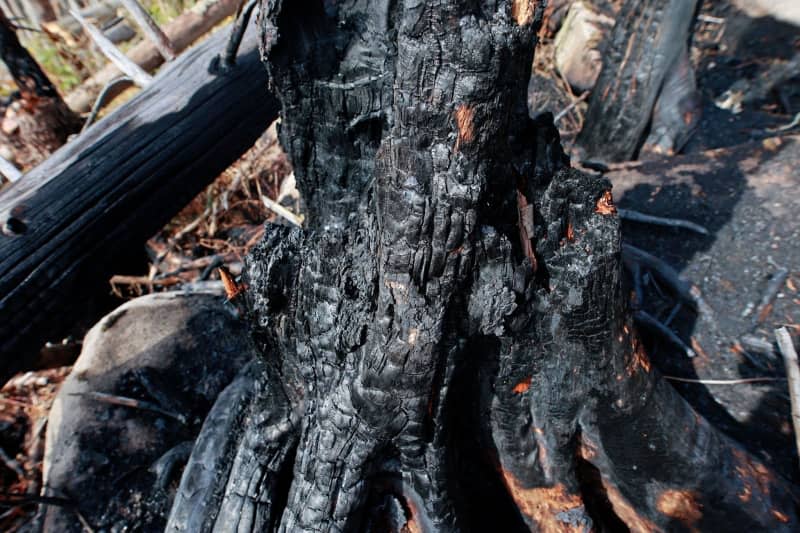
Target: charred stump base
{"points": [[446, 344]]}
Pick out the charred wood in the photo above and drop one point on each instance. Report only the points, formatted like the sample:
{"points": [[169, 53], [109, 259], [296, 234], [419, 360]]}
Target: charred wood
{"points": [[70, 222]]}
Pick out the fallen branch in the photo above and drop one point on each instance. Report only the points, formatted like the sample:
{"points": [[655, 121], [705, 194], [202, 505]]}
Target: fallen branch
{"points": [[786, 127], [9, 499], [650, 322], [667, 274], [749, 91], [757, 344], [141, 281], [237, 32], [166, 465], [130, 68], [765, 305], [182, 32], [75, 220], [150, 29], [124, 401], [101, 99], [561, 114], [279, 210], [9, 171], [635, 216]]}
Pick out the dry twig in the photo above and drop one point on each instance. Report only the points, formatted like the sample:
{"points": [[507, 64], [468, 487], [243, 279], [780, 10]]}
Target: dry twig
{"points": [[636, 216], [120, 60], [650, 322], [124, 401], [278, 209], [773, 287], [786, 346], [155, 34], [561, 114], [724, 381]]}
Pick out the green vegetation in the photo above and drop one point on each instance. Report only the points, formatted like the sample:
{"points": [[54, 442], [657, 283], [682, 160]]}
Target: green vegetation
{"points": [[63, 74], [69, 67]]}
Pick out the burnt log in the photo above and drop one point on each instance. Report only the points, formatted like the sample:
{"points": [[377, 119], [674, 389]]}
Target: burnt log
{"points": [[644, 61], [75, 219], [447, 341]]}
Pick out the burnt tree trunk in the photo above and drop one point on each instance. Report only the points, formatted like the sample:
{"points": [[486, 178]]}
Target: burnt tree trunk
{"points": [[446, 343], [41, 122], [646, 76]]}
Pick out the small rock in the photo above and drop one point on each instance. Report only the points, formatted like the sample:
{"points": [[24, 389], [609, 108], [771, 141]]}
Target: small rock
{"points": [[173, 350], [577, 54]]}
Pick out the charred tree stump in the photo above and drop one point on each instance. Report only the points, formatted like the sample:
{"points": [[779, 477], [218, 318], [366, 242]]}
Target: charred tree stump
{"points": [[41, 121], [645, 62], [446, 343]]}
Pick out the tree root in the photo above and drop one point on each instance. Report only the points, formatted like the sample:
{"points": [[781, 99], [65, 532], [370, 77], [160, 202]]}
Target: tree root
{"points": [[446, 342]]}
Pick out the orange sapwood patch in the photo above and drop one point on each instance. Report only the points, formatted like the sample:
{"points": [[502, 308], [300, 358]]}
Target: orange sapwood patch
{"points": [[681, 505], [543, 504], [465, 118], [605, 205]]}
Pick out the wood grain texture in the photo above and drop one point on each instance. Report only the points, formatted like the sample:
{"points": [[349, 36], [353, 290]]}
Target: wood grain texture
{"points": [[69, 221]]}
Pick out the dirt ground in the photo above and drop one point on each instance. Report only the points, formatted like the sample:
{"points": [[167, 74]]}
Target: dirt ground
{"points": [[745, 194]]}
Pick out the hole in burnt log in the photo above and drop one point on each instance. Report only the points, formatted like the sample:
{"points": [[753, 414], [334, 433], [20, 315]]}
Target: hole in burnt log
{"points": [[481, 499], [595, 498], [386, 508], [350, 289], [282, 487], [14, 226]]}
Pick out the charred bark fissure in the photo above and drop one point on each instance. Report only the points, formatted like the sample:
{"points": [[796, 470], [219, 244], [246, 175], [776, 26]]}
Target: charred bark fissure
{"points": [[454, 271]]}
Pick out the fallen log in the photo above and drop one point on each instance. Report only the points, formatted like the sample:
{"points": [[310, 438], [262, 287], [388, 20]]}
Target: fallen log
{"points": [[182, 32], [640, 58], [68, 223]]}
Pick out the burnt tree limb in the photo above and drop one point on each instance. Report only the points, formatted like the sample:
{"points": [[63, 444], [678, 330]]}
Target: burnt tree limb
{"points": [[643, 53], [71, 221], [448, 342], [42, 120], [26, 72]]}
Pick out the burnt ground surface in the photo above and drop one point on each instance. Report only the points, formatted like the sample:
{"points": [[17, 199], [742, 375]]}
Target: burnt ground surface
{"points": [[740, 47], [746, 198]]}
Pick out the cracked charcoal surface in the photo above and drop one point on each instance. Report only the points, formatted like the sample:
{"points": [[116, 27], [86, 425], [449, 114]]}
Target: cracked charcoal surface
{"points": [[446, 338]]}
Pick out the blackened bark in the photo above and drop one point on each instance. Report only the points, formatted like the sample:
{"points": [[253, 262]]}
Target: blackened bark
{"points": [[27, 74], [449, 330], [646, 49]]}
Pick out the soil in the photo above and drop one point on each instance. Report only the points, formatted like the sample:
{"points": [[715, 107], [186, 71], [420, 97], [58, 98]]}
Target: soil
{"points": [[746, 198], [24, 404]]}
